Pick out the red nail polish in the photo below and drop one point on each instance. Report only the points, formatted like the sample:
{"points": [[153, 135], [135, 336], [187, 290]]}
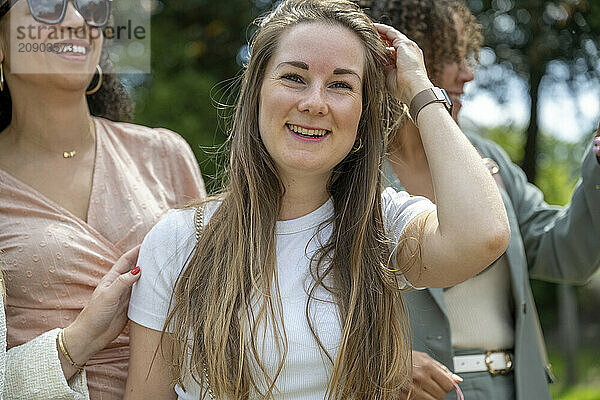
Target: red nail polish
{"points": [[390, 47], [386, 41], [135, 271]]}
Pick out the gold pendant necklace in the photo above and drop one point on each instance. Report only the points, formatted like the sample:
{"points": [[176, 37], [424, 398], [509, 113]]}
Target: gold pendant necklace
{"points": [[72, 153]]}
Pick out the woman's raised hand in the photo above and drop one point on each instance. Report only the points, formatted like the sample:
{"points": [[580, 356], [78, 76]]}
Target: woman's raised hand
{"points": [[409, 75]]}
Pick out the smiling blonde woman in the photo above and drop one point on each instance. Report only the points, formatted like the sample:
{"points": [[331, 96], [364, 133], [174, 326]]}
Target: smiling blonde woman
{"points": [[292, 288]]}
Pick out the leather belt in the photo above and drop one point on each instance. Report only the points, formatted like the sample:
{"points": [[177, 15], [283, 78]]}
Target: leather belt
{"points": [[498, 362]]}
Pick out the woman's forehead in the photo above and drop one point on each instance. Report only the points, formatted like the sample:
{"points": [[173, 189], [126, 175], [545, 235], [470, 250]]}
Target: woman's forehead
{"points": [[320, 45]]}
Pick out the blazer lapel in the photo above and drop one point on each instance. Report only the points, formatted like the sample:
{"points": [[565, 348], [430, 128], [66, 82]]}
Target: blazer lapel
{"points": [[515, 253]]}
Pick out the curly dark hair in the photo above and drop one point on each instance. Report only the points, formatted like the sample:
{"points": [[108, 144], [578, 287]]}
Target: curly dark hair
{"points": [[432, 25], [111, 101]]}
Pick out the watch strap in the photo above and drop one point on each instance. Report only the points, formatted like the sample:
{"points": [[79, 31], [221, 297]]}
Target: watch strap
{"points": [[428, 96]]}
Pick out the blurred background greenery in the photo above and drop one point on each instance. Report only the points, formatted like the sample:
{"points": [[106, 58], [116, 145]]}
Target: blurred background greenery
{"points": [[199, 47]]}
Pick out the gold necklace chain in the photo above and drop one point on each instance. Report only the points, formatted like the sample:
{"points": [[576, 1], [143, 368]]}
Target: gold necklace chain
{"points": [[67, 153]]}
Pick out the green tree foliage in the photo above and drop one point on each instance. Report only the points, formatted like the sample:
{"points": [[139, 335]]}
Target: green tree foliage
{"points": [[196, 47], [182, 103], [204, 34], [544, 43], [559, 161]]}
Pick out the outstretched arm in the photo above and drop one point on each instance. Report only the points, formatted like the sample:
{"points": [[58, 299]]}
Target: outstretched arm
{"points": [[561, 243]]}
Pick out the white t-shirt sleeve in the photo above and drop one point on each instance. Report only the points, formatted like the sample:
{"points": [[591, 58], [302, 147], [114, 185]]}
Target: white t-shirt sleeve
{"points": [[164, 253], [399, 209]]}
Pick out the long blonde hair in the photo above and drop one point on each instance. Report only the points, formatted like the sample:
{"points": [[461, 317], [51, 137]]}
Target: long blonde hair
{"points": [[234, 266]]}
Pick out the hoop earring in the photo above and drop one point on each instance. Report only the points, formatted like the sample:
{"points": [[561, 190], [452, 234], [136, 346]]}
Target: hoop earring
{"points": [[1, 78], [97, 87], [356, 148]]}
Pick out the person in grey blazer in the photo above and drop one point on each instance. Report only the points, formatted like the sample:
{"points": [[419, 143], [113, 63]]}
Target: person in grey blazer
{"points": [[486, 329]]}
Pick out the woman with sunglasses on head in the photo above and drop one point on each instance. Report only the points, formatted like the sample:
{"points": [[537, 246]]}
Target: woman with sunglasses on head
{"points": [[287, 285], [486, 329], [77, 189]]}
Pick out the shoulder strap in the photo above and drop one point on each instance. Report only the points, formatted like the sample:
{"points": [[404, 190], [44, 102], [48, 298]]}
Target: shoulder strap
{"points": [[199, 225], [199, 221]]}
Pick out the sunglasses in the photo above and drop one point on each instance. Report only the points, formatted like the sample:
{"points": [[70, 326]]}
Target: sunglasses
{"points": [[94, 12]]}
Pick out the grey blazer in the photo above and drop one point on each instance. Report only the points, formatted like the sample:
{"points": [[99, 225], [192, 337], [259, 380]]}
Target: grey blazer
{"points": [[558, 244]]}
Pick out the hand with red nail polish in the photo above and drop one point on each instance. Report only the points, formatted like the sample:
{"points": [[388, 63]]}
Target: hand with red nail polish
{"points": [[389, 46], [105, 315]]}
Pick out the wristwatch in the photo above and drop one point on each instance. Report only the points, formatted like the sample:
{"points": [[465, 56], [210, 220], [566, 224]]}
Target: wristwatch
{"points": [[428, 96]]}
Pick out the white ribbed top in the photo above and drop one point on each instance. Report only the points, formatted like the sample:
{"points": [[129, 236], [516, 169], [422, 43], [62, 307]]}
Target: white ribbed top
{"points": [[306, 370]]}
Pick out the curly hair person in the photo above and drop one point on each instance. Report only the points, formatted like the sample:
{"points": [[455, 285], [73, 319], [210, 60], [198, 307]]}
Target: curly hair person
{"points": [[433, 25]]}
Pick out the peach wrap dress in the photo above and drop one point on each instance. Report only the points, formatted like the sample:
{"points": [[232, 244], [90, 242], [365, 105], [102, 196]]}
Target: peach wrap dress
{"points": [[54, 260]]}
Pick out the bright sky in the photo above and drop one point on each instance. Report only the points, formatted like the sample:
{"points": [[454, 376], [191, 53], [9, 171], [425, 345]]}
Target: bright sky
{"points": [[559, 115]]}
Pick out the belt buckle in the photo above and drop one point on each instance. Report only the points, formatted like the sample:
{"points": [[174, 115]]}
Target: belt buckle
{"points": [[492, 371]]}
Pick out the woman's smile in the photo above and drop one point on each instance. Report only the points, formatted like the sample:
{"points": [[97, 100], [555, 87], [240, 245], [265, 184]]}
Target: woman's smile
{"points": [[308, 134]]}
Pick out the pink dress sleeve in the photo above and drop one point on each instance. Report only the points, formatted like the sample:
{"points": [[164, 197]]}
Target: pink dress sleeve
{"points": [[185, 174]]}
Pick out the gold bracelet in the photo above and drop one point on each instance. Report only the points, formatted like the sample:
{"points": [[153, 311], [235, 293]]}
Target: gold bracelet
{"points": [[63, 348]]}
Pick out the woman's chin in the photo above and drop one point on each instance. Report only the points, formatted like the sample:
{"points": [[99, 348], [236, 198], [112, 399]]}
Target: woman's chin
{"points": [[63, 82], [303, 167]]}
